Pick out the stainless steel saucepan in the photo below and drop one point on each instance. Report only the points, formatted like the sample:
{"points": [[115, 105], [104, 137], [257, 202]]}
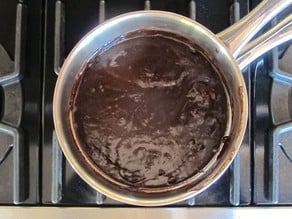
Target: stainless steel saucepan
{"points": [[230, 52]]}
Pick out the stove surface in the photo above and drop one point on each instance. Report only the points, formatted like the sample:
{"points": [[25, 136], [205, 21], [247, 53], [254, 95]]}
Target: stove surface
{"points": [[37, 38]]}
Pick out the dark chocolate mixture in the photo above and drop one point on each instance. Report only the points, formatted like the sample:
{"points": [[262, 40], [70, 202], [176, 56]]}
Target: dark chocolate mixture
{"points": [[149, 111]]}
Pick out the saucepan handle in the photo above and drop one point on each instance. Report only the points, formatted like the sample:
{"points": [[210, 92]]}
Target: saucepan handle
{"points": [[279, 34], [239, 34]]}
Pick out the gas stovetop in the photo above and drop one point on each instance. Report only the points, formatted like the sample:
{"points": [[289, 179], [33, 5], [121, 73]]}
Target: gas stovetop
{"points": [[20, 100], [35, 38]]}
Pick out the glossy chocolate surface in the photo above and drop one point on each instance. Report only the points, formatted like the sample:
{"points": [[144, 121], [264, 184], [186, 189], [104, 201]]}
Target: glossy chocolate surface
{"points": [[150, 110]]}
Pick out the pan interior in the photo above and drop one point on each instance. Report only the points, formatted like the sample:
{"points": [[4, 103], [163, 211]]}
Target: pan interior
{"points": [[151, 111]]}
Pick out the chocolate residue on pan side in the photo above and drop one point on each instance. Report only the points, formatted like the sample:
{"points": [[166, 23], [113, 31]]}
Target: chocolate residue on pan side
{"points": [[149, 111]]}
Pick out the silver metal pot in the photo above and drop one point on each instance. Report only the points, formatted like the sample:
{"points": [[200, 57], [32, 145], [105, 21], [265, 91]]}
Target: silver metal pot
{"points": [[222, 49]]}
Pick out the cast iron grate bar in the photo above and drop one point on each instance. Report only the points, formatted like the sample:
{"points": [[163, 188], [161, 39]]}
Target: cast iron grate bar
{"points": [[57, 160], [147, 5], [10, 81], [100, 198], [192, 11], [19, 40], [59, 36], [19, 153], [234, 196], [57, 170], [101, 11], [273, 154], [235, 181], [234, 12], [281, 128], [57, 156], [13, 108], [19, 193]]}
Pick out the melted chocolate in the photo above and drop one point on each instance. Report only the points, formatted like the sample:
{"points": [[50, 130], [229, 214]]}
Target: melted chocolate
{"points": [[149, 111]]}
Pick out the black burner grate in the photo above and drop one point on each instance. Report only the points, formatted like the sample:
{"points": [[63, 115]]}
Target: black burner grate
{"points": [[20, 101]]}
